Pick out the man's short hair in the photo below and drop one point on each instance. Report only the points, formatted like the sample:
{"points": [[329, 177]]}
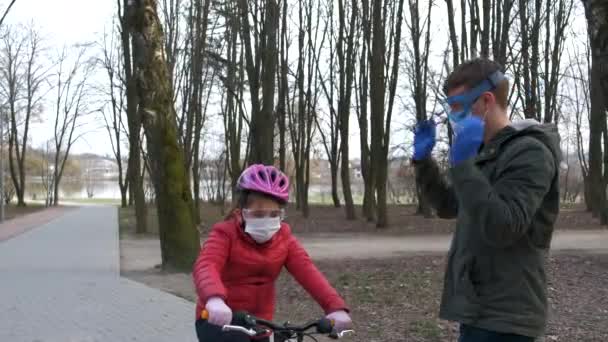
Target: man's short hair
{"points": [[475, 71]]}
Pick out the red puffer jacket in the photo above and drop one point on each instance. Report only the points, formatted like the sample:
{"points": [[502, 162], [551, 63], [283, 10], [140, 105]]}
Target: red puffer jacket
{"points": [[231, 265]]}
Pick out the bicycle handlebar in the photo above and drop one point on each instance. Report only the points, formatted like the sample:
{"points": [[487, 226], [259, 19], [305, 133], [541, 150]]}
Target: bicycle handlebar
{"points": [[252, 326]]}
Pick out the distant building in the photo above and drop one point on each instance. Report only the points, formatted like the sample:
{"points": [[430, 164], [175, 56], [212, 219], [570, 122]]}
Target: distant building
{"points": [[97, 167]]}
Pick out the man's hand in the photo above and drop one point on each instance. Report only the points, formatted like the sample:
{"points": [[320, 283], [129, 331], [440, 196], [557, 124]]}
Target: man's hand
{"points": [[468, 138], [424, 139]]}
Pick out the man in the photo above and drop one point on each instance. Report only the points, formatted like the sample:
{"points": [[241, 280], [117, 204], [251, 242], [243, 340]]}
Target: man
{"points": [[504, 192]]}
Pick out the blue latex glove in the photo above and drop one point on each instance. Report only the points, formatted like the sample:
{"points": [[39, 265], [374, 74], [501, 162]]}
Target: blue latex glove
{"points": [[424, 139], [468, 137]]}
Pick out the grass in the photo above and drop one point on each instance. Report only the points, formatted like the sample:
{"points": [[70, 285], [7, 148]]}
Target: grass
{"points": [[111, 201]]}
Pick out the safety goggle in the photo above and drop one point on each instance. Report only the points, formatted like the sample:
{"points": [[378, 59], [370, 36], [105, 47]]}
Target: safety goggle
{"points": [[460, 105], [263, 213]]}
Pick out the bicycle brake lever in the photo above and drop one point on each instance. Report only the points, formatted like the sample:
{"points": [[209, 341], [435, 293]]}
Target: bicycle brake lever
{"points": [[336, 335], [346, 332], [248, 332]]}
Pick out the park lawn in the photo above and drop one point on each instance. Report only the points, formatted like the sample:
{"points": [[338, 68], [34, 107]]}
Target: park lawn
{"points": [[109, 201]]}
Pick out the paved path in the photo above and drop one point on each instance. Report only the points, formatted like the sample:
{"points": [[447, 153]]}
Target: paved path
{"points": [[61, 283], [18, 225], [362, 247], [144, 253]]}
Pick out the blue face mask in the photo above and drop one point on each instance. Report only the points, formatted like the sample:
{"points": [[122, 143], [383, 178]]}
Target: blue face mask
{"points": [[468, 98]]}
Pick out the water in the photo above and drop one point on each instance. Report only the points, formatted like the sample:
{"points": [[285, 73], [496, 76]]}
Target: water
{"points": [[75, 189]]}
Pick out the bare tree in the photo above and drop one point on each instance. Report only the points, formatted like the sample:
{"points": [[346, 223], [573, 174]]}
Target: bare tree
{"points": [[579, 95], [301, 119], [22, 81], [559, 12], [501, 26], [233, 110], [369, 198], [347, 53], [113, 107], [493, 26], [172, 11], [178, 234], [384, 70], [8, 9], [282, 84], [196, 81], [261, 62], [46, 172], [329, 128], [596, 13], [70, 107], [419, 74], [135, 171]]}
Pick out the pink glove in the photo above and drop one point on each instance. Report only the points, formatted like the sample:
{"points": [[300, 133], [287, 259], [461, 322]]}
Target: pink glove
{"points": [[341, 319], [219, 313]]}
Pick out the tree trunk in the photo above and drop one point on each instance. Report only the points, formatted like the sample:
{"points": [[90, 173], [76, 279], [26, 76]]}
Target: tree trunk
{"points": [[283, 88], [596, 13], [333, 168], [124, 189], [369, 198], [262, 117], [419, 80], [424, 207], [347, 68], [377, 95], [380, 128], [588, 194], [195, 107], [134, 123], [529, 111], [179, 237], [453, 37], [485, 33], [56, 181]]}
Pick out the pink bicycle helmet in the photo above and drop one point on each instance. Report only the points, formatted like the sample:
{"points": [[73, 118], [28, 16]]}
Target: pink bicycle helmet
{"points": [[268, 180]]}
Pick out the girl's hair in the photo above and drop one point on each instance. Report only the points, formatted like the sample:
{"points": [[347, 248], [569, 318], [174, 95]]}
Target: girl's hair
{"points": [[243, 199]]}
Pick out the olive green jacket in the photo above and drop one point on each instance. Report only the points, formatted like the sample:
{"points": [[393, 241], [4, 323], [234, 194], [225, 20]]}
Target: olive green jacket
{"points": [[506, 201]]}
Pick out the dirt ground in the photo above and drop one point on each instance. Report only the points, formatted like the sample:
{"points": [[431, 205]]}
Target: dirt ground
{"points": [[140, 253], [12, 211], [327, 219], [397, 299], [395, 296]]}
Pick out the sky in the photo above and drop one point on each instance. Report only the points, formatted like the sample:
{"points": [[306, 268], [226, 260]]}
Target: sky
{"points": [[66, 22]]}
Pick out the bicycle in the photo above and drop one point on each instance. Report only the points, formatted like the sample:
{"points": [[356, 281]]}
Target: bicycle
{"points": [[255, 327]]}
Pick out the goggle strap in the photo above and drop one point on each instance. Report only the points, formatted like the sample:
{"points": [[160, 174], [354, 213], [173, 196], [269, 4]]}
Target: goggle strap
{"points": [[488, 84]]}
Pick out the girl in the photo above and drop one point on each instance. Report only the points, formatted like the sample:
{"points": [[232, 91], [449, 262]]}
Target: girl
{"points": [[243, 256]]}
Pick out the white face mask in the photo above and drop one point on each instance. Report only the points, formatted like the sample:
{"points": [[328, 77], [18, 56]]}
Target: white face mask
{"points": [[262, 229]]}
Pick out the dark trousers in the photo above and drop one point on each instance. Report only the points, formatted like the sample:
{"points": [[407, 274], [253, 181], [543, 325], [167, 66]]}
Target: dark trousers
{"points": [[472, 334], [212, 333]]}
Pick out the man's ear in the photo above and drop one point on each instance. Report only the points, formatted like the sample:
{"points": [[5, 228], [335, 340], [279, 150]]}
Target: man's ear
{"points": [[489, 100]]}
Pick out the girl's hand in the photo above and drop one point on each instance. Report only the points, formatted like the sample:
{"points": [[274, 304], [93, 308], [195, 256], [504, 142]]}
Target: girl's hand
{"points": [[219, 313], [341, 320]]}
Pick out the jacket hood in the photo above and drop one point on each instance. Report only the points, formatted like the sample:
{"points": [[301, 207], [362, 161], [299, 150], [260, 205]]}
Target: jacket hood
{"points": [[546, 133]]}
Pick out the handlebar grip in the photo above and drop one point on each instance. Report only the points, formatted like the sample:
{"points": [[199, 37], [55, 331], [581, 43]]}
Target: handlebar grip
{"points": [[243, 319], [325, 326], [238, 318]]}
